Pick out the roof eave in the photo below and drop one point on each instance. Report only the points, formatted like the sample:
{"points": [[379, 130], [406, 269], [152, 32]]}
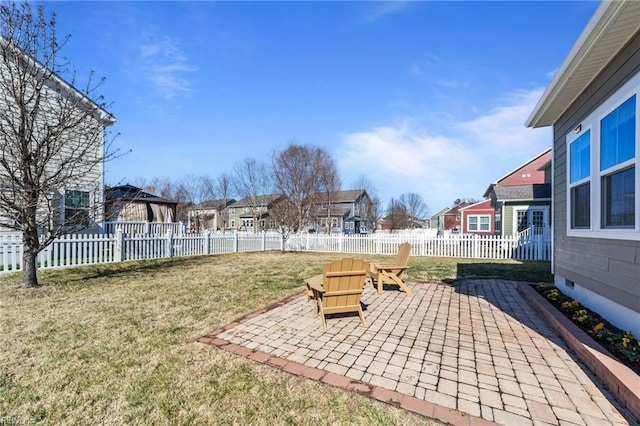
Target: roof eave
{"points": [[588, 53]]}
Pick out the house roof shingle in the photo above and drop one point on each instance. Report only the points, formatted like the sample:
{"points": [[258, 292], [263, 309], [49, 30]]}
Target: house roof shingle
{"points": [[347, 196], [540, 191], [261, 200], [132, 193]]}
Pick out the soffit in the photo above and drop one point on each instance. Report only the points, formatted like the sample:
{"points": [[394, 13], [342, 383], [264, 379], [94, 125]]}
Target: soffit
{"points": [[609, 30]]}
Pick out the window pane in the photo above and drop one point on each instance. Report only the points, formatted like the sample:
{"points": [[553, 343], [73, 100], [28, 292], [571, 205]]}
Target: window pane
{"points": [[484, 223], [617, 135], [473, 223], [581, 206], [580, 157], [618, 199], [77, 199], [523, 222], [76, 210]]}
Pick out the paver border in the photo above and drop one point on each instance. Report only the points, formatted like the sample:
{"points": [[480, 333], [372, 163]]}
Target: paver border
{"points": [[621, 381], [410, 403]]}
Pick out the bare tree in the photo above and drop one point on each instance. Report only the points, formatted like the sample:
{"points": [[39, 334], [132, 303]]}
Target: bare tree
{"points": [[283, 214], [160, 187], [397, 216], [329, 182], [373, 208], [52, 136], [222, 190], [417, 209], [195, 188], [251, 181], [300, 172]]}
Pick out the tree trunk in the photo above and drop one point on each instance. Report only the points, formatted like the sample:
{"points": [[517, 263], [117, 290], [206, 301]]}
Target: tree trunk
{"points": [[29, 270]]}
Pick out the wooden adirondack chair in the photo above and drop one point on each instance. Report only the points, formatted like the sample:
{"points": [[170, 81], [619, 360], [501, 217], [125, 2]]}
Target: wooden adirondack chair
{"points": [[342, 284], [391, 274]]}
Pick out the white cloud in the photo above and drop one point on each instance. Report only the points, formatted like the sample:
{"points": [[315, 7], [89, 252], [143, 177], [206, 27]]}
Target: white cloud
{"points": [[166, 66], [384, 8], [415, 69], [452, 84], [456, 160]]}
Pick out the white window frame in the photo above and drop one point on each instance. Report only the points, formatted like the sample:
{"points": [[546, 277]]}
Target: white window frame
{"points": [[592, 122], [90, 209], [529, 209], [571, 138], [488, 216]]}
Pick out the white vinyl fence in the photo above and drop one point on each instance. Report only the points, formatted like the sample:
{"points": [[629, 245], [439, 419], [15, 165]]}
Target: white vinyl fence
{"points": [[80, 249]]}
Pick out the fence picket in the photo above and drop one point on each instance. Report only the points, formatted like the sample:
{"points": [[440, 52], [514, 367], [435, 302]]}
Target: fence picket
{"points": [[74, 250]]}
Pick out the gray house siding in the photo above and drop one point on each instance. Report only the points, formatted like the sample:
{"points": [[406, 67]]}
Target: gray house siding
{"points": [[607, 267]]}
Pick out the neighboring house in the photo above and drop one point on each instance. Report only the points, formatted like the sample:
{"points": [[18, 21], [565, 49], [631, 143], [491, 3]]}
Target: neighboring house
{"points": [[127, 203], [593, 104], [478, 218], [522, 198], [453, 217], [211, 215], [354, 225], [79, 201], [332, 210], [437, 220], [243, 213]]}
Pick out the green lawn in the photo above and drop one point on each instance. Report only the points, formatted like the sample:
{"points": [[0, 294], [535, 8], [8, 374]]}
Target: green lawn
{"points": [[116, 343]]}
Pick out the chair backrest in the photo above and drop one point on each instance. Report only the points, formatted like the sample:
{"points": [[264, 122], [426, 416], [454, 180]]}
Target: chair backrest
{"points": [[403, 254], [343, 281]]}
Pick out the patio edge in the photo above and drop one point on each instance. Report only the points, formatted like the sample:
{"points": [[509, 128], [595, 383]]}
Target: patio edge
{"points": [[621, 381]]}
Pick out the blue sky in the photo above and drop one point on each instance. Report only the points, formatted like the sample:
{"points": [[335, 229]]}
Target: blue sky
{"points": [[427, 97]]}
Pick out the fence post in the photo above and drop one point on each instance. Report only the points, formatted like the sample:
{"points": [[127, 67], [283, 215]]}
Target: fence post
{"points": [[169, 248], [340, 242], [264, 241], [119, 249], [207, 242], [235, 242]]}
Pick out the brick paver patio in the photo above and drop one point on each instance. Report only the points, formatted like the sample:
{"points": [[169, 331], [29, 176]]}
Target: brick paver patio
{"points": [[472, 353]]}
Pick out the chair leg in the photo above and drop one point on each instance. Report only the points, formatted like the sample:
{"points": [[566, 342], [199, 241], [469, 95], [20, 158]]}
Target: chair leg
{"points": [[362, 317], [324, 320], [400, 283]]}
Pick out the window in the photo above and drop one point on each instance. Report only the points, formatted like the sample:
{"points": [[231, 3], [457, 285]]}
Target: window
{"points": [[618, 199], [580, 210], [76, 207], [617, 135], [479, 223], [602, 184], [617, 146], [579, 175]]}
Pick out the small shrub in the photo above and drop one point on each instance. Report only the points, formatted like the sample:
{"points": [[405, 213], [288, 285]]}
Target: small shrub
{"points": [[622, 344]]}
